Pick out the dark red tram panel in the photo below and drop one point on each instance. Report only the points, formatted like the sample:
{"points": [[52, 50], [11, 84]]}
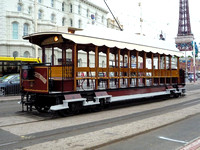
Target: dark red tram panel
{"points": [[39, 83]]}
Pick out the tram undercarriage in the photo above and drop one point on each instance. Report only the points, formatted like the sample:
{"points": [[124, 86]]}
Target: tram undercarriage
{"points": [[65, 103]]}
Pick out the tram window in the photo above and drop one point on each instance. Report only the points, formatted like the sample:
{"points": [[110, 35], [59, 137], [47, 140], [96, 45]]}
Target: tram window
{"points": [[167, 62], [155, 62], [162, 63], [174, 62], [148, 63]]}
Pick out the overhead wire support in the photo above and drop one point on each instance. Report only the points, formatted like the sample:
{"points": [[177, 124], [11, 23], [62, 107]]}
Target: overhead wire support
{"points": [[113, 16]]}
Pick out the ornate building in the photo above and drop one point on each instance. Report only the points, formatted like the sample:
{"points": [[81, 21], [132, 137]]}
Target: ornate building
{"points": [[21, 17]]}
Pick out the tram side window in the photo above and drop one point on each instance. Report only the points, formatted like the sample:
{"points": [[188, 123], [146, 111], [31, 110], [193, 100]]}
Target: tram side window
{"points": [[174, 62]]}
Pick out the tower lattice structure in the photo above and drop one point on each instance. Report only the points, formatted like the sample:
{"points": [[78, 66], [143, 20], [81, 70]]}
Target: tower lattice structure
{"points": [[184, 37]]}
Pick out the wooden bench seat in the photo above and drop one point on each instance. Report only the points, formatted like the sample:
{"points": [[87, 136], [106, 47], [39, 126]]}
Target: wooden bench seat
{"points": [[104, 95]]}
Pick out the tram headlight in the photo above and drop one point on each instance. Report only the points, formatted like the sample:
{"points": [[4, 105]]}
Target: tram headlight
{"points": [[55, 38], [27, 72]]}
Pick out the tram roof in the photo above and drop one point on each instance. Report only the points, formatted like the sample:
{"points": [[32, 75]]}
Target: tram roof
{"points": [[139, 44]]}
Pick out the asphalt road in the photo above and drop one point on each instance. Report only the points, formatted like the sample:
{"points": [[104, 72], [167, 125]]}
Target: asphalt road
{"points": [[170, 137], [11, 141]]}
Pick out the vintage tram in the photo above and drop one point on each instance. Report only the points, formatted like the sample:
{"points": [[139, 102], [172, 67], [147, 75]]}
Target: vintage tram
{"points": [[138, 70]]}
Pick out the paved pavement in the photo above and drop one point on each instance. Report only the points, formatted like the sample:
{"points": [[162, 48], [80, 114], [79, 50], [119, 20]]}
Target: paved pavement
{"points": [[9, 98], [194, 145]]}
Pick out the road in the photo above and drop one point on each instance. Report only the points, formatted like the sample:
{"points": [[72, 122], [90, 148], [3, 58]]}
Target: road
{"points": [[36, 131], [170, 137]]}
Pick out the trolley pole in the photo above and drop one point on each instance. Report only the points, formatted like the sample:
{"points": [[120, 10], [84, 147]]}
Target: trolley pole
{"points": [[35, 25], [194, 61], [141, 19]]}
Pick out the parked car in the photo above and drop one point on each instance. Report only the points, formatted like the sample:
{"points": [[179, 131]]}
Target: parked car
{"points": [[10, 85], [1, 78]]}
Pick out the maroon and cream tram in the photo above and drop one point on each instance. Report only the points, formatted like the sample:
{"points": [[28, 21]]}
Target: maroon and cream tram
{"points": [[137, 71]]}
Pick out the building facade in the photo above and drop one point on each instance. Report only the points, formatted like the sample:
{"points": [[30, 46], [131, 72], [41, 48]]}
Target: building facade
{"points": [[22, 17]]}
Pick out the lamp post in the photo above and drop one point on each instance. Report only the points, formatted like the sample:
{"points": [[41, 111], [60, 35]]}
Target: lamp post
{"points": [[194, 60]]}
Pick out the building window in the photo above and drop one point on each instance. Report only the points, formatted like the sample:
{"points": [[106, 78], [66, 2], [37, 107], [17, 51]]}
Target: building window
{"points": [[63, 6], [103, 64], [19, 7], [79, 9], [96, 16], [29, 10], [71, 22], [79, 23], [52, 17], [102, 19], [26, 54], [71, 8], [63, 21], [88, 13], [15, 54], [52, 3], [80, 62], [25, 29], [15, 27], [40, 14]]}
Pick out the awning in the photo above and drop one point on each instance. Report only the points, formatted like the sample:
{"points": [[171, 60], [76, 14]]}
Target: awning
{"points": [[138, 43], [81, 39]]}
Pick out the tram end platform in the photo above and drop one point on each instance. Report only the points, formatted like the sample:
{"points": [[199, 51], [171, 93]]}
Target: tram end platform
{"points": [[193, 145]]}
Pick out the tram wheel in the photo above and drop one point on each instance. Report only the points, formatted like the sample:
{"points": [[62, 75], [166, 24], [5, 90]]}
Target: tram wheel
{"points": [[63, 112], [75, 108], [42, 109], [176, 95], [101, 106]]}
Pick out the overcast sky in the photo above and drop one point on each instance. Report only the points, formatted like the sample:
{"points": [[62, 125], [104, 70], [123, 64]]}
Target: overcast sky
{"points": [[157, 15]]}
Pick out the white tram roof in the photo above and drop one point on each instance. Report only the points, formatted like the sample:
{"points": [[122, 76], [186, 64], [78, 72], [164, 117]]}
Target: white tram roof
{"points": [[118, 39]]}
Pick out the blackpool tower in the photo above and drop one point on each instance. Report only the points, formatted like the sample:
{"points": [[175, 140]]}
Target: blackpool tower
{"points": [[184, 37]]}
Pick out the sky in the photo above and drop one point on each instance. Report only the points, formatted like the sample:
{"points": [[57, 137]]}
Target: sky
{"points": [[157, 15]]}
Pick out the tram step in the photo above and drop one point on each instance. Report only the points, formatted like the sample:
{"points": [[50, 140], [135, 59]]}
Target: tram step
{"points": [[137, 96], [89, 103], [58, 107]]}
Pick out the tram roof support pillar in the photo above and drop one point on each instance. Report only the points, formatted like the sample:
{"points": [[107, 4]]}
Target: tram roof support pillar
{"points": [[43, 55], [152, 67], [118, 68], [128, 65], [137, 54], [108, 67], [159, 69], [75, 63], [96, 66]]}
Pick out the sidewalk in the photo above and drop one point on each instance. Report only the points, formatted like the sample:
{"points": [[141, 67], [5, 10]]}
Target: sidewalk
{"points": [[196, 82], [9, 98], [194, 145]]}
